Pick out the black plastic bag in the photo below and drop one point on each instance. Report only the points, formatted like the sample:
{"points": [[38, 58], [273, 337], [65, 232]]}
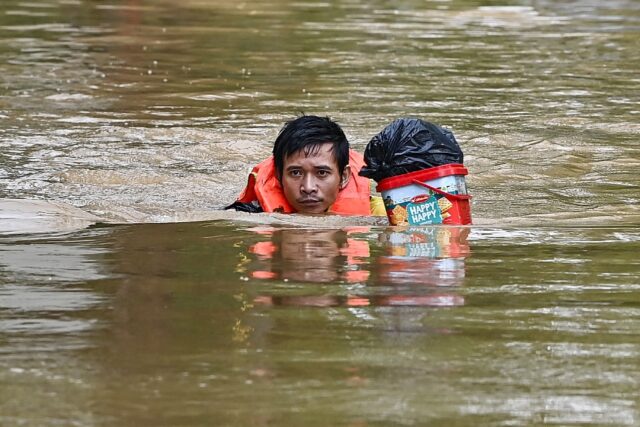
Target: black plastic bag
{"points": [[408, 145]]}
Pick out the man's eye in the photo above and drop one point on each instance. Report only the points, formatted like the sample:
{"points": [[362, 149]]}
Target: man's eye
{"points": [[323, 173], [295, 173]]}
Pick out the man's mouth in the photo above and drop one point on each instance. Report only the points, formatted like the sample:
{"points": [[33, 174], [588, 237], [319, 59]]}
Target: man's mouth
{"points": [[309, 201]]}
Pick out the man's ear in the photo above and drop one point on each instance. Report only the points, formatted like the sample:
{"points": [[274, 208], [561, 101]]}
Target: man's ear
{"points": [[346, 176]]}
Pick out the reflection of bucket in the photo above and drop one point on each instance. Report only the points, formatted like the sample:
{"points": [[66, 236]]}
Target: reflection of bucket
{"points": [[431, 256], [430, 196], [427, 242]]}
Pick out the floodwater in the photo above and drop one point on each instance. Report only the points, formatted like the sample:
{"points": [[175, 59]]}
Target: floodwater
{"points": [[128, 298]]}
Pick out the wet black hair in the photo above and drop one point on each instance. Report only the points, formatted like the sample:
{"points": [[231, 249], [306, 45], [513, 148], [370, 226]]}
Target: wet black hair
{"points": [[307, 133]]}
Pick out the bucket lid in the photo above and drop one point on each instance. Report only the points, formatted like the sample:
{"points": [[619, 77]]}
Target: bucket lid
{"points": [[421, 175]]}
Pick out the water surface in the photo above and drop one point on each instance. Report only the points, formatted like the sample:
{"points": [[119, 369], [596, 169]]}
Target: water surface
{"points": [[144, 111], [128, 298], [189, 324]]}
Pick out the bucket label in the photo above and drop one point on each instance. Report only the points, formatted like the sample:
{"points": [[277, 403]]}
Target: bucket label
{"points": [[425, 250], [423, 210]]}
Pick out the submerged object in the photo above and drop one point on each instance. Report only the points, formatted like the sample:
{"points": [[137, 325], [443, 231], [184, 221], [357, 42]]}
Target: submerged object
{"points": [[419, 170], [430, 196]]}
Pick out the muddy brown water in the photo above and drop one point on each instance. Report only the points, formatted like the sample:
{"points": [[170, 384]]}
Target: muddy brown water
{"points": [[128, 298]]}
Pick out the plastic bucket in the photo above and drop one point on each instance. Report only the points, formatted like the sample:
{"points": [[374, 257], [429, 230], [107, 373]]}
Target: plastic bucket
{"points": [[430, 196]]}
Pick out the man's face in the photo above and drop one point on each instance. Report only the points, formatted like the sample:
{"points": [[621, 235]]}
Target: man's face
{"points": [[311, 183], [310, 255]]}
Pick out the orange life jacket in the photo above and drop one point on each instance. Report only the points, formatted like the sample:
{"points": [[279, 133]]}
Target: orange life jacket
{"points": [[264, 186]]}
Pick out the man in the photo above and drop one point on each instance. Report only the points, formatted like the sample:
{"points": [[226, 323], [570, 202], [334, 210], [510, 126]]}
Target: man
{"points": [[312, 171]]}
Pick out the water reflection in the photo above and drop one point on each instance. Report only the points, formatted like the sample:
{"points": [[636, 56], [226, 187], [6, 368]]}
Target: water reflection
{"points": [[418, 266], [320, 256], [152, 316], [38, 291], [431, 256]]}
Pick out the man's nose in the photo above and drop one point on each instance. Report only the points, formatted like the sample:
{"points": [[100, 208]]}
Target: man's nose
{"points": [[308, 184]]}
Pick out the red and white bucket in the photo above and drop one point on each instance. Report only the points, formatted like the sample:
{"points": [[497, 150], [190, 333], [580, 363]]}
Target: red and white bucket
{"points": [[436, 195]]}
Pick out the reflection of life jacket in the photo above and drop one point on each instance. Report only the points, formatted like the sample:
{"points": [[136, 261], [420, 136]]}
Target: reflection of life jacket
{"points": [[355, 251], [264, 186]]}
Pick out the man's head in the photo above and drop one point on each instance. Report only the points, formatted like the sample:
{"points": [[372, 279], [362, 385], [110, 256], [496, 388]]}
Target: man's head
{"points": [[311, 157]]}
